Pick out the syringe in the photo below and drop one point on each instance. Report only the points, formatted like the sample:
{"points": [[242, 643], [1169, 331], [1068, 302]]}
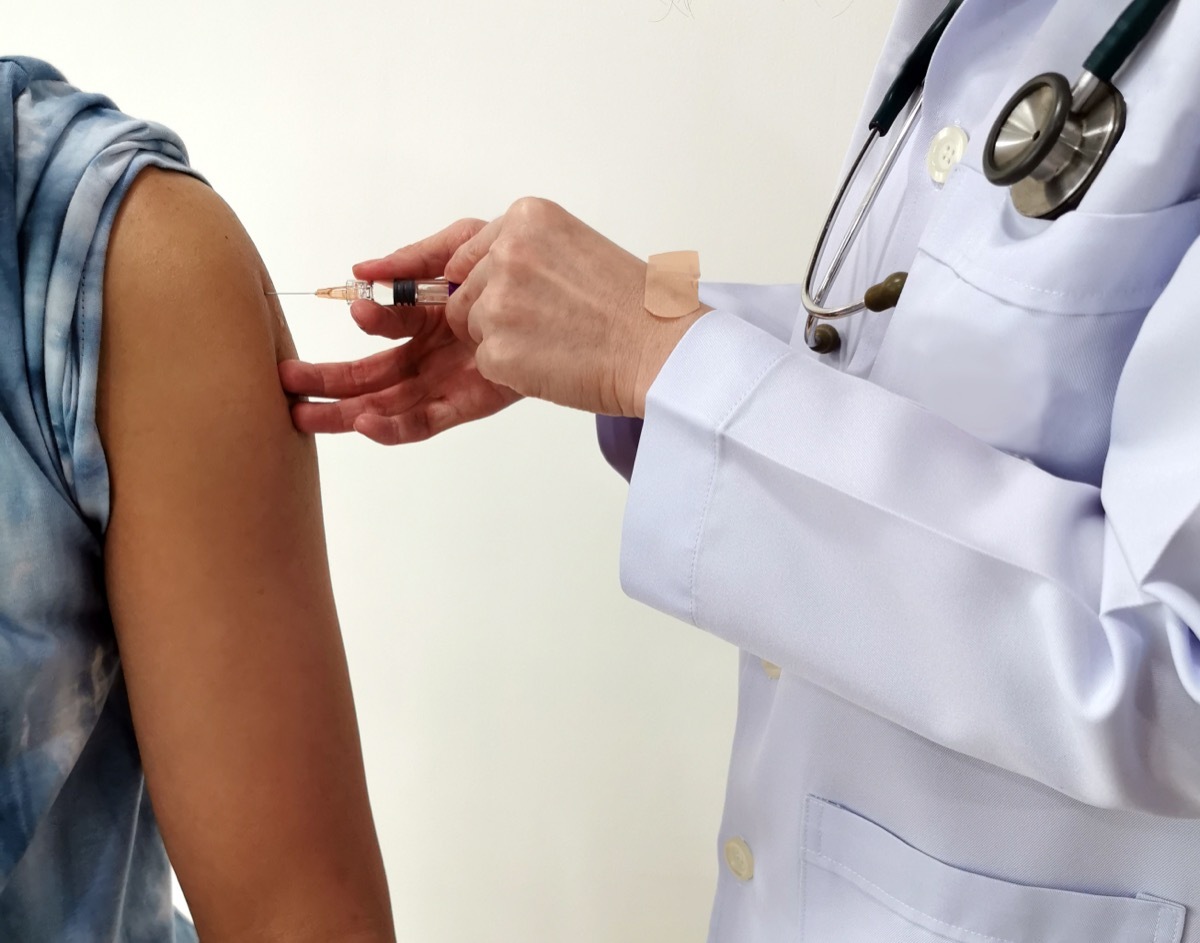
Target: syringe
{"points": [[401, 291]]}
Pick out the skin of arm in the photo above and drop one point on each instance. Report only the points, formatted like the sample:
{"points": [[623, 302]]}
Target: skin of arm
{"points": [[219, 586]]}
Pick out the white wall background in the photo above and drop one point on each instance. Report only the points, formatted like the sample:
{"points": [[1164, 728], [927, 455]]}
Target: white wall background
{"points": [[546, 758]]}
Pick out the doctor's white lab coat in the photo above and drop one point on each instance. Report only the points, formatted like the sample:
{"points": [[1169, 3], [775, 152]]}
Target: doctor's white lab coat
{"points": [[961, 555]]}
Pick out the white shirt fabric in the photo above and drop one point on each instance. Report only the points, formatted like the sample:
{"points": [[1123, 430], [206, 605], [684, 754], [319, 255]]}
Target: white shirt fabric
{"points": [[970, 538]]}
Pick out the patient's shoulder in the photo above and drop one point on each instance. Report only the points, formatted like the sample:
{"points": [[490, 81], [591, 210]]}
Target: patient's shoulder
{"points": [[191, 341], [180, 261]]}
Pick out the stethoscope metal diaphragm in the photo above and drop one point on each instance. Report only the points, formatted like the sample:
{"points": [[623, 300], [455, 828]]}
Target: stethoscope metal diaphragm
{"points": [[1050, 141], [1048, 145]]}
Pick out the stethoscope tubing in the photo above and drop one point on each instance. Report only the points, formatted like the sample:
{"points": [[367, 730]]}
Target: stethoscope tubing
{"points": [[1110, 54], [907, 86], [1123, 37], [814, 300]]}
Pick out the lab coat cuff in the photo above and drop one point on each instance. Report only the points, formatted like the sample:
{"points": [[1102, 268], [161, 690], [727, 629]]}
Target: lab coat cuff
{"points": [[771, 308], [717, 365]]}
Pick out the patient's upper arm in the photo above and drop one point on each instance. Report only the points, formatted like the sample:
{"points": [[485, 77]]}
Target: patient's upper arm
{"points": [[219, 585]]}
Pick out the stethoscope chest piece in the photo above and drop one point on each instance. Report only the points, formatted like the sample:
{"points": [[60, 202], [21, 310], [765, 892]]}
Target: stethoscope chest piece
{"points": [[1050, 141], [1048, 145]]}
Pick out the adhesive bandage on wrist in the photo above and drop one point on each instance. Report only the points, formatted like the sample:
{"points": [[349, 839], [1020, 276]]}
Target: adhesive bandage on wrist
{"points": [[673, 284]]}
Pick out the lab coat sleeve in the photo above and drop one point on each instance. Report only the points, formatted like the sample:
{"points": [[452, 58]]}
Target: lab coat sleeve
{"points": [[872, 548], [770, 307]]}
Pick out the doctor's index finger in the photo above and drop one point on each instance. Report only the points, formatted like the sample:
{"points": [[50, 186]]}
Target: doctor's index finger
{"points": [[471, 252], [426, 258], [462, 303], [352, 378], [340, 415], [415, 425]]}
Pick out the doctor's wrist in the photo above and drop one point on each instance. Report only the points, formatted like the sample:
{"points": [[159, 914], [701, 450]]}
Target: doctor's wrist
{"points": [[661, 339]]}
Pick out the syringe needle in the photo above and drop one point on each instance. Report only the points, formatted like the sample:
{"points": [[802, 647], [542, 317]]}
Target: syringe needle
{"points": [[400, 292], [353, 290]]}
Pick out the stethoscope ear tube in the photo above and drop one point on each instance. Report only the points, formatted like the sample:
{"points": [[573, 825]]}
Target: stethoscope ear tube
{"points": [[905, 88], [816, 292], [1123, 37], [912, 73]]}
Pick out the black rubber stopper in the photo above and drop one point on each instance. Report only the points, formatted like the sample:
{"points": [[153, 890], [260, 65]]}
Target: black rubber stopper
{"points": [[404, 292]]}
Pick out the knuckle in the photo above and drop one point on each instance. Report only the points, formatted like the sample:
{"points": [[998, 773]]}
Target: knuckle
{"points": [[456, 314], [500, 255], [480, 321], [417, 427], [345, 412], [468, 226], [514, 261], [473, 330], [485, 361], [375, 404], [457, 235], [497, 362], [531, 208], [499, 302], [521, 207], [356, 373], [512, 256], [494, 362]]}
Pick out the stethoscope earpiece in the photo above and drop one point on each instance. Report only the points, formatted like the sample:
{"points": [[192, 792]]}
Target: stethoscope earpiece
{"points": [[824, 339]]}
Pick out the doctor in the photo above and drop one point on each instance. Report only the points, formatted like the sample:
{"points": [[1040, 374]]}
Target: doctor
{"points": [[959, 542]]}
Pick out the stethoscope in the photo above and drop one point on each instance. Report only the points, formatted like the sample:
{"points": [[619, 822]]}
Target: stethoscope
{"points": [[1047, 146]]}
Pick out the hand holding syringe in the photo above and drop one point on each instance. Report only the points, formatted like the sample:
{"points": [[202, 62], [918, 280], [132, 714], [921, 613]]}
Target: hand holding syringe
{"points": [[552, 309], [400, 291]]}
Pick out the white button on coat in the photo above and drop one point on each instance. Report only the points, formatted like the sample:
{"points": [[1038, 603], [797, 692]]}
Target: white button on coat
{"points": [[945, 151], [739, 859]]}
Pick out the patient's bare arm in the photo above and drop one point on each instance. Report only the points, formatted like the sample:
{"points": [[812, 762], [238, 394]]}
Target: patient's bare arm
{"points": [[220, 589]]}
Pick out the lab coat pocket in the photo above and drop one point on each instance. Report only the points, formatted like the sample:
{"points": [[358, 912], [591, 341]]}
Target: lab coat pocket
{"points": [[1017, 330], [861, 884]]}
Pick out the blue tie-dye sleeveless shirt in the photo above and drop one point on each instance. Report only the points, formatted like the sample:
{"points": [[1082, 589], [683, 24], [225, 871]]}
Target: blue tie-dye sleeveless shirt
{"points": [[80, 854]]}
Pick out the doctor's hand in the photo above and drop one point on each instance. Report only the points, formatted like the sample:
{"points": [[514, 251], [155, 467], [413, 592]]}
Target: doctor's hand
{"points": [[557, 311], [546, 307], [413, 391]]}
